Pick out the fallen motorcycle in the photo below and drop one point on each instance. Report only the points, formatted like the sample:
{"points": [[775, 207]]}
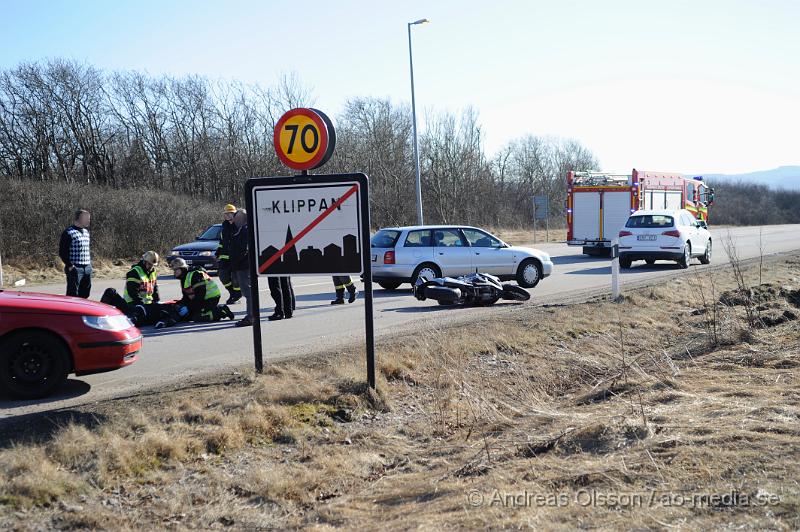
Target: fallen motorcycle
{"points": [[478, 289]]}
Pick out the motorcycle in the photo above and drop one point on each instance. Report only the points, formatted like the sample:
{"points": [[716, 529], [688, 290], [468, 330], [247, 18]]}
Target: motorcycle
{"points": [[478, 289]]}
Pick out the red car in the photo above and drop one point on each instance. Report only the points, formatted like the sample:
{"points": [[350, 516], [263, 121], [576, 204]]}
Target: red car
{"points": [[43, 338]]}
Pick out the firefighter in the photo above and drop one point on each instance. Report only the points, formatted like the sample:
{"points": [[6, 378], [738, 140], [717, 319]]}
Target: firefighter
{"points": [[140, 299], [342, 283], [200, 294], [141, 282], [223, 255]]}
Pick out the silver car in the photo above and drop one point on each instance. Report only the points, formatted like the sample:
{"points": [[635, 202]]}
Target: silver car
{"points": [[402, 254]]}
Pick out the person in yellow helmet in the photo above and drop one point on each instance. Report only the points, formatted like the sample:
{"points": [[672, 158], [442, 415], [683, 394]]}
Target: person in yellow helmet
{"points": [[223, 254]]}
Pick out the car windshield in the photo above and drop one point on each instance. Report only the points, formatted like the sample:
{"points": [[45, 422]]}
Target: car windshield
{"points": [[385, 238], [653, 221], [212, 233]]}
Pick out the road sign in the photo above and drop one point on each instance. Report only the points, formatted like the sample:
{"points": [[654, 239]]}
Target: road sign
{"points": [[310, 228], [541, 207], [304, 138], [310, 225]]}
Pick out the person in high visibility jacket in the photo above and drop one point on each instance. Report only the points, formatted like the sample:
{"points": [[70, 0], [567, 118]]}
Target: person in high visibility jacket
{"points": [[141, 281], [342, 283], [223, 254], [200, 293], [140, 298]]}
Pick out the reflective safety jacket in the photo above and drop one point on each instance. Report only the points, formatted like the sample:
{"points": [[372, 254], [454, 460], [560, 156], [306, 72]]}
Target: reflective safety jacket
{"points": [[198, 286], [141, 287]]}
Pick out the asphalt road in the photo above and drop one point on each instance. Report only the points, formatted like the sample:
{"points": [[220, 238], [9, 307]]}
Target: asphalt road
{"points": [[175, 354]]}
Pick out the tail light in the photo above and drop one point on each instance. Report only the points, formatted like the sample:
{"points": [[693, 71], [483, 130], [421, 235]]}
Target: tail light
{"points": [[675, 233], [388, 257], [625, 233]]}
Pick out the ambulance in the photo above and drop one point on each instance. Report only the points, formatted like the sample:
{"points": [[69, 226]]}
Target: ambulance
{"points": [[599, 203]]}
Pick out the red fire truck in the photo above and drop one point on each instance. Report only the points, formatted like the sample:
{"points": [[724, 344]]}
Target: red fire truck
{"points": [[599, 203]]}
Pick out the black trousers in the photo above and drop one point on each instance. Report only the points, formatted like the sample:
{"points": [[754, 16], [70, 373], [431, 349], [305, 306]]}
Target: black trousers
{"points": [[140, 315], [79, 281], [280, 288], [229, 281]]}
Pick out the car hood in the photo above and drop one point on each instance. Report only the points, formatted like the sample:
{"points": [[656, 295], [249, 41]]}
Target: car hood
{"points": [[33, 302], [530, 252], [198, 245]]}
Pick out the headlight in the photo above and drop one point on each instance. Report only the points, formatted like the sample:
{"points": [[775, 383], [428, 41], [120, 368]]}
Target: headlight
{"points": [[175, 252], [205, 253], [119, 322]]}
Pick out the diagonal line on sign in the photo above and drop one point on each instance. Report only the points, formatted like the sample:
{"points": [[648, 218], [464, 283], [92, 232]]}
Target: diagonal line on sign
{"points": [[305, 231]]}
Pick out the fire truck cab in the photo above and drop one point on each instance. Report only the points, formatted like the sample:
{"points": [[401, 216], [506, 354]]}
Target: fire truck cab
{"points": [[599, 203]]}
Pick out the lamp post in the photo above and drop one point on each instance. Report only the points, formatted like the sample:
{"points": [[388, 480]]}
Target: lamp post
{"points": [[420, 220]]}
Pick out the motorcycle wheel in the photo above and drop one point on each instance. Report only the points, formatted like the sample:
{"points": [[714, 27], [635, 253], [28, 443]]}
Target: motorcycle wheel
{"points": [[515, 293]]}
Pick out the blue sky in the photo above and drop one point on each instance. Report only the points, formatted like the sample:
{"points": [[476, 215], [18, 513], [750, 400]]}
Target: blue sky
{"points": [[686, 86]]}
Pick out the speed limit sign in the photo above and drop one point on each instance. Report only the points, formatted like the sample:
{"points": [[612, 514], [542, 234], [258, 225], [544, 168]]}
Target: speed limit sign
{"points": [[304, 138]]}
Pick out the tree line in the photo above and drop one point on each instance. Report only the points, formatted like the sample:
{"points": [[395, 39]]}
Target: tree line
{"points": [[69, 122]]}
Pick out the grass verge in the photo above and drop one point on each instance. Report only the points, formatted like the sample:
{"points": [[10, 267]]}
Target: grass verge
{"points": [[638, 414]]}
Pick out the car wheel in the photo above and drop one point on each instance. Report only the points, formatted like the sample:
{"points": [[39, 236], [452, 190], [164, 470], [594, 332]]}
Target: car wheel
{"points": [[33, 364], [625, 262], [529, 273], [650, 262], [706, 258], [389, 285], [684, 261], [426, 270]]}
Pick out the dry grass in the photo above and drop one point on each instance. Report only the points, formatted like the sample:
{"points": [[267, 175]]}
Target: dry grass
{"points": [[592, 415]]}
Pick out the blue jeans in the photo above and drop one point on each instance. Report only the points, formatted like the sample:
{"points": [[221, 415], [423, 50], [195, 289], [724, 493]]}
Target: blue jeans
{"points": [[79, 281]]}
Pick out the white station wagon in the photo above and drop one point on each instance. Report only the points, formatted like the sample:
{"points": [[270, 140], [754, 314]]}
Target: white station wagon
{"points": [[402, 254]]}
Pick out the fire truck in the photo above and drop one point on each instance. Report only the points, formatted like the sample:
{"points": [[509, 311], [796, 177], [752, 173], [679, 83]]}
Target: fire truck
{"points": [[599, 203]]}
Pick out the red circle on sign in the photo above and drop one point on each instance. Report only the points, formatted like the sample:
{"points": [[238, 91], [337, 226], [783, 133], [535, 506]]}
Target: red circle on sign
{"points": [[321, 155]]}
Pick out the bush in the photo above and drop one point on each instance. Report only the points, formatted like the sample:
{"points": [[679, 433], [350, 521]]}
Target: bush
{"points": [[125, 222]]}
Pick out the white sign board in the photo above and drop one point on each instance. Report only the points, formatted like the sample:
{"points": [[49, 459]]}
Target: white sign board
{"points": [[308, 229]]}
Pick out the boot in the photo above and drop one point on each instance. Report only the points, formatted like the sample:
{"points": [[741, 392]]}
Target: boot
{"points": [[339, 297], [275, 317], [225, 312], [236, 295], [247, 321], [353, 293]]}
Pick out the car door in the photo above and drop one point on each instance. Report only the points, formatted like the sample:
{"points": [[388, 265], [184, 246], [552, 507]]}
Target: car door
{"points": [[452, 252], [488, 253], [415, 249]]}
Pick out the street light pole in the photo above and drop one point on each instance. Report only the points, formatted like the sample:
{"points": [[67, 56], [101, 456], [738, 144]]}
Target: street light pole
{"points": [[420, 219]]}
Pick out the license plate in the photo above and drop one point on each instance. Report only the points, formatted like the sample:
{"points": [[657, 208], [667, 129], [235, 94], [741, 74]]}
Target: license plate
{"points": [[646, 237]]}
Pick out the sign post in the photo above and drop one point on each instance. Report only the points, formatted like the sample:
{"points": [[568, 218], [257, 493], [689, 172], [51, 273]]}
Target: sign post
{"points": [[541, 211], [310, 224], [615, 269]]}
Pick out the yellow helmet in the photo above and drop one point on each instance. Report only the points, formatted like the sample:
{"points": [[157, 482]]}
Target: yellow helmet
{"points": [[151, 257], [178, 263], [229, 208]]}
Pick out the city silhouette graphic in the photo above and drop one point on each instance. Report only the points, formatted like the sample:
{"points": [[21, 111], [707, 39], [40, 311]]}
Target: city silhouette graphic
{"points": [[343, 257]]}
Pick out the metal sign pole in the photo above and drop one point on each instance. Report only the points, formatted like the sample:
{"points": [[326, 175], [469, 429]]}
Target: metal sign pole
{"points": [[255, 304], [369, 323], [615, 270]]}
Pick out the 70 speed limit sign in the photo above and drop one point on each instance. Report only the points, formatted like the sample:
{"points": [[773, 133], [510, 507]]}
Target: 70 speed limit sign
{"points": [[304, 138]]}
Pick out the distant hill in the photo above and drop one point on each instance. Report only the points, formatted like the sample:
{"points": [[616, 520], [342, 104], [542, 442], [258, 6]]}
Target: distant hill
{"points": [[782, 177]]}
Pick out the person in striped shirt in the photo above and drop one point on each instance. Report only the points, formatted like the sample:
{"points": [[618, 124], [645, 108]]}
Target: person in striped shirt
{"points": [[74, 250]]}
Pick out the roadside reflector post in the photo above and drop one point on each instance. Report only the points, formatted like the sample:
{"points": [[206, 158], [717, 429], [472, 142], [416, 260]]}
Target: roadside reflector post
{"points": [[615, 269]]}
